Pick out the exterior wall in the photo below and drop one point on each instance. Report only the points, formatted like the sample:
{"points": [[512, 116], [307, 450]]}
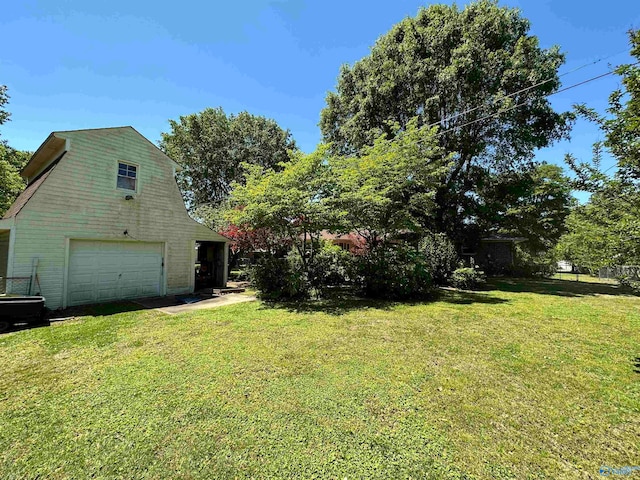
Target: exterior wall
{"points": [[495, 256], [4, 253], [79, 200]]}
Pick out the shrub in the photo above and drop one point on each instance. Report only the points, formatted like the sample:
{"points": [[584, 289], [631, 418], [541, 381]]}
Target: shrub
{"points": [[529, 264], [440, 256], [631, 283], [392, 272], [239, 275], [328, 268], [467, 278], [278, 278]]}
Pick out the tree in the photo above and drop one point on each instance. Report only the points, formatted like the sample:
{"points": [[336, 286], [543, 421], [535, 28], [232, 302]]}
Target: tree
{"points": [[390, 185], [476, 73], [290, 201], [11, 162], [622, 128], [531, 203], [377, 194], [213, 147], [606, 231], [4, 99], [11, 183], [246, 240]]}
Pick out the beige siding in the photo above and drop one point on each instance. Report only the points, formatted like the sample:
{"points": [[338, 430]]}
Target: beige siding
{"points": [[4, 252], [79, 200]]}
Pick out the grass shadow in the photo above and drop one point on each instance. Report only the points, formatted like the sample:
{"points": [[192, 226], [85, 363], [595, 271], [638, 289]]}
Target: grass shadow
{"points": [[466, 297], [19, 325], [562, 288], [96, 310], [344, 303], [330, 306]]}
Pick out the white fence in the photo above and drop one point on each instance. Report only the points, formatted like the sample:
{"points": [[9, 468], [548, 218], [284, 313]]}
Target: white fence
{"points": [[617, 271]]}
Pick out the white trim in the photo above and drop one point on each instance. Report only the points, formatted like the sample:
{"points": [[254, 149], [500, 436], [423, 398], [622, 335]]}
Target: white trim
{"points": [[62, 150], [192, 266], [11, 250], [137, 179], [34, 273], [65, 278]]}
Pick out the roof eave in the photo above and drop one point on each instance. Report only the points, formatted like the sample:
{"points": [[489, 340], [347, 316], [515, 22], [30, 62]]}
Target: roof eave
{"points": [[45, 152]]}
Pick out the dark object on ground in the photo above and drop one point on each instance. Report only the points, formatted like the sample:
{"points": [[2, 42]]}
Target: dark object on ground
{"points": [[21, 309], [186, 299]]}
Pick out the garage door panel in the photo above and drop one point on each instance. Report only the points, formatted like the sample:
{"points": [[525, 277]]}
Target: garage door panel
{"points": [[78, 298], [106, 296], [106, 277], [81, 278], [105, 271]]}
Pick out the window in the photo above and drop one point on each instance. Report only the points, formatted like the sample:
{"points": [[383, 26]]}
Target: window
{"points": [[344, 246], [127, 175]]}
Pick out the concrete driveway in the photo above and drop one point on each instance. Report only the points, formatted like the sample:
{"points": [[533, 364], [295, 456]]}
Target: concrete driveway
{"points": [[166, 305]]}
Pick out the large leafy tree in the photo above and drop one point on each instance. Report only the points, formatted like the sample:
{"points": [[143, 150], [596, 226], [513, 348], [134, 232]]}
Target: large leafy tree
{"points": [[622, 127], [606, 231], [476, 73], [390, 186], [532, 203], [212, 147], [4, 99], [11, 183], [377, 194], [289, 202], [11, 162]]}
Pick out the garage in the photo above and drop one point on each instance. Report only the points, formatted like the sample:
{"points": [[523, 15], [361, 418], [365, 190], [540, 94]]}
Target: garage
{"points": [[101, 271]]}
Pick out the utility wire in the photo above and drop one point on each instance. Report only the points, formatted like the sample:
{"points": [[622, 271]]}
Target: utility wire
{"points": [[530, 88], [500, 112], [597, 77]]}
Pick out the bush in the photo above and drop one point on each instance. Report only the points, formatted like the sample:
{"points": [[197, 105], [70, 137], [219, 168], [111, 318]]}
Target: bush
{"points": [[328, 268], [279, 278], [392, 272], [527, 264], [240, 275], [631, 283], [467, 278], [440, 256]]}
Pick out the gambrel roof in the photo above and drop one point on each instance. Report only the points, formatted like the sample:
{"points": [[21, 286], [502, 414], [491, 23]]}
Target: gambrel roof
{"points": [[43, 157]]}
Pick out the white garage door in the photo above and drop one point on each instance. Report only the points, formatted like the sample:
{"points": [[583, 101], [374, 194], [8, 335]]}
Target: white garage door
{"points": [[105, 271]]}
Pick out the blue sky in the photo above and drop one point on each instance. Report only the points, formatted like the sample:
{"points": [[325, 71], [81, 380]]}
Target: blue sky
{"points": [[77, 64]]}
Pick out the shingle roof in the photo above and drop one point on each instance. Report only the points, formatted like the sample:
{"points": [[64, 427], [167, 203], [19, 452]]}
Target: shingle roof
{"points": [[26, 195], [327, 235]]}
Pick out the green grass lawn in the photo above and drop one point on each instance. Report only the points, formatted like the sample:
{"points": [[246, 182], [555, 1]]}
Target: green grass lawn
{"points": [[526, 380]]}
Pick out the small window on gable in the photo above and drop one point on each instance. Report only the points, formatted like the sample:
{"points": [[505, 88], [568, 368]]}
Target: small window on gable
{"points": [[127, 176]]}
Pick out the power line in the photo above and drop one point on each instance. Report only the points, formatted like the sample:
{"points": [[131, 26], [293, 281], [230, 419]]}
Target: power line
{"points": [[500, 112], [597, 77], [529, 88]]}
